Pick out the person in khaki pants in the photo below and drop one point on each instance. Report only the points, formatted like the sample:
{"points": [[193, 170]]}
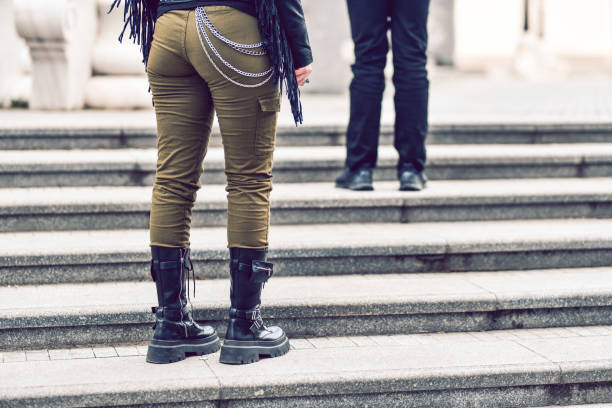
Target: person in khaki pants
{"points": [[207, 57]]}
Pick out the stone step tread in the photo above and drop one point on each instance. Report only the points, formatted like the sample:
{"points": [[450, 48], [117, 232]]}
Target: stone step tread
{"points": [[341, 239], [340, 368], [318, 297], [325, 113], [316, 195], [124, 349], [297, 156], [582, 406]]}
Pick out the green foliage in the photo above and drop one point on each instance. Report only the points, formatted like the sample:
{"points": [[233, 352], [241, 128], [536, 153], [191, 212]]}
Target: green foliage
{"points": [[19, 104]]}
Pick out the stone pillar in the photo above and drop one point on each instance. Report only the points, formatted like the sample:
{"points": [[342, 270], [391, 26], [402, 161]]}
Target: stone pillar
{"points": [[330, 37], [15, 65], [532, 59], [441, 29], [119, 80], [60, 35]]}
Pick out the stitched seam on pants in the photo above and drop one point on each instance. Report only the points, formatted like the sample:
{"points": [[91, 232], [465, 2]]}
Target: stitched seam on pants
{"points": [[185, 35], [259, 146], [203, 147]]}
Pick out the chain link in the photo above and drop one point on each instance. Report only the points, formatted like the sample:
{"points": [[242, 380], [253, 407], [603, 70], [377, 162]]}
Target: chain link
{"points": [[243, 48], [201, 30]]}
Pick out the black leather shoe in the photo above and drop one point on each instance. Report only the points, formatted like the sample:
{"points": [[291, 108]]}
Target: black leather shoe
{"points": [[360, 180], [248, 338], [176, 333], [412, 180]]}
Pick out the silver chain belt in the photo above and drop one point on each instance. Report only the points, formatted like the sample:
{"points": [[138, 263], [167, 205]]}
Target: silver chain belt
{"points": [[243, 48], [203, 22]]}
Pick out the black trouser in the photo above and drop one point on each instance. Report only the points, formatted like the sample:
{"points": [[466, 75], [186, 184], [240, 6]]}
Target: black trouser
{"points": [[370, 21]]}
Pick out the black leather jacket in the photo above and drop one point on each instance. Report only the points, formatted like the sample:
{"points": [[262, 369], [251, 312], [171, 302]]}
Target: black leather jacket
{"points": [[291, 16]]}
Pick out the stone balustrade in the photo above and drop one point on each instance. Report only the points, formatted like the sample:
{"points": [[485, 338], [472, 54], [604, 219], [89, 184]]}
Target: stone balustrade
{"points": [[60, 35], [77, 60], [118, 80], [15, 80]]}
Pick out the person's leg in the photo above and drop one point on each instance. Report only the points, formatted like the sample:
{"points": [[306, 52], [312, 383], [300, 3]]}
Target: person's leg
{"points": [[247, 118], [369, 28], [409, 42], [184, 110]]}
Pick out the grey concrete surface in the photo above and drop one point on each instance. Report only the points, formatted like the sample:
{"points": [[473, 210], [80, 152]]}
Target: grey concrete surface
{"points": [[319, 249], [46, 168], [87, 208], [55, 315], [539, 351], [493, 368], [456, 99], [72, 136], [584, 406]]}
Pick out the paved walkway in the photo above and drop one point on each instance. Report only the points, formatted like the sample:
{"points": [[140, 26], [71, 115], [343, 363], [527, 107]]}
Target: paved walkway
{"points": [[454, 98], [324, 366]]}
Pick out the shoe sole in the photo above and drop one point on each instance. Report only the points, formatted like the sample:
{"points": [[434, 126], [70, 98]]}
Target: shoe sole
{"points": [[410, 188], [358, 187], [171, 351], [245, 352]]}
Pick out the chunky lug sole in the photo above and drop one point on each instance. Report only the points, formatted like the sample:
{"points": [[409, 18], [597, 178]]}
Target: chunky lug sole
{"points": [[244, 352], [170, 351]]}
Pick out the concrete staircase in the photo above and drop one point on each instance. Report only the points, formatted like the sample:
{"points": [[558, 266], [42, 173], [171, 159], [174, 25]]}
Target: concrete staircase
{"points": [[492, 288]]}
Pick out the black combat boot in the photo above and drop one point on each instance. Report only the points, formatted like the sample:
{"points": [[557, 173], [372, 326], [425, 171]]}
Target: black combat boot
{"points": [[176, 333], [247, 338]]}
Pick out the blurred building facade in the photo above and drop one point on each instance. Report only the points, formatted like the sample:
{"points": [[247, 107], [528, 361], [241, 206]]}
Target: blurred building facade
{"points": [[64, 54]]}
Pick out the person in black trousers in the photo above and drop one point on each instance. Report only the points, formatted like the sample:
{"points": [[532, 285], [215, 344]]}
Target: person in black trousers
{"points": [[370, 22]]}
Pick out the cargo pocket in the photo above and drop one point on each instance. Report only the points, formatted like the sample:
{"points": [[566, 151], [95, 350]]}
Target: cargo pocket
{"points": [[265, 134]]}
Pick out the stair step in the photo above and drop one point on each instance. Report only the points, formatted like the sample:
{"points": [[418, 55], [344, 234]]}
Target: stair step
{"points": [[95, 130], [507, 368], [85, 208], [81, 314], [583, 406], [46, 168], [322, 249]]}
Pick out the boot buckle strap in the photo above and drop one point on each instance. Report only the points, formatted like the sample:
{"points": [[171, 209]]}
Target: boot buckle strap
{"points": [[157, 265], [257, 324], [261, 271], [257, 320]]}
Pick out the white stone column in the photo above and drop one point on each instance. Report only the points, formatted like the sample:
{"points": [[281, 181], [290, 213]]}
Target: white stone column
{"points": [[533, 60], [119, 80], [441, 30], [15, 81], [60, 34]]}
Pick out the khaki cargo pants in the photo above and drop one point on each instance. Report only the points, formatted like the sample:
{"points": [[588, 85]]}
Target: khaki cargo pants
{"points": [[187, 89]]}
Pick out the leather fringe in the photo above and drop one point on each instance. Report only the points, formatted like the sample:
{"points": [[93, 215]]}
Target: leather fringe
{"points": [[279, 52], [140, 16]]}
